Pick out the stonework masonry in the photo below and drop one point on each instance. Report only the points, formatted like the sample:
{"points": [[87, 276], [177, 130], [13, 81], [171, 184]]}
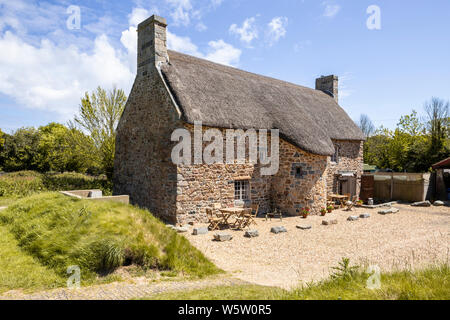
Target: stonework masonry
{"points": [[350, 159], [144, 170]]}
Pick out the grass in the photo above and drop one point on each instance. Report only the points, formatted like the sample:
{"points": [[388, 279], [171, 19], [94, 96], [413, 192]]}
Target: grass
{"points": [[432, 283], [58, 231], [6, 201], [20, 270]]}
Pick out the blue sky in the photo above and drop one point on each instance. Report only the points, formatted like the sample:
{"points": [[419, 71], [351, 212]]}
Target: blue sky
{"points": [[45, 66]]}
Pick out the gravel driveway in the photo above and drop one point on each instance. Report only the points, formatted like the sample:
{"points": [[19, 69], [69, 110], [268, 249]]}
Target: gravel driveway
{"points": [[411, 238]]}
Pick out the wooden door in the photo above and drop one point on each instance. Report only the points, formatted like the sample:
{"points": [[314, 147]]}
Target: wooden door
{"points": [[367, 187]]}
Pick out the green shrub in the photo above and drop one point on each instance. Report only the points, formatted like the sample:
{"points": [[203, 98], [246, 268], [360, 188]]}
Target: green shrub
{"points": [[25, 183], [21, 184]]}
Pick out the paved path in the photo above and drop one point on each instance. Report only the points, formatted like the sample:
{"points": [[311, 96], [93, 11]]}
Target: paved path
{"points": [[120, 290]]}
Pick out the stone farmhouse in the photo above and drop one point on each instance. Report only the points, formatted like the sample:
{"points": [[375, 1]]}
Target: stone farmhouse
{"points": [[320, 148]]}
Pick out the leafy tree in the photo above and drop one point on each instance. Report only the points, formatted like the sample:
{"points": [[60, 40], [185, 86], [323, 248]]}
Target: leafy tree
{"points": [[58, 153], [99, 115], [21, 150], [2, 139]]}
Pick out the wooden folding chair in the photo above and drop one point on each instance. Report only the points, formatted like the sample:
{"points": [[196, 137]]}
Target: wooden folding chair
{"points": [[243, 220], [253, 213], [214, 221], [277, 213]]}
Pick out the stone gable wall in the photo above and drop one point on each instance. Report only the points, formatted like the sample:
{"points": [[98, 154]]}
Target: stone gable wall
{"points": [[143, 167], [350, 159], [294, 189]]}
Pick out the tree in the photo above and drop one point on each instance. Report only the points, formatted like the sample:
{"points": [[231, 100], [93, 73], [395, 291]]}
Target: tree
{"points": [[21, 150], [2, 139], [366, 125], [99, 115], [437, 123], [58, 153]]}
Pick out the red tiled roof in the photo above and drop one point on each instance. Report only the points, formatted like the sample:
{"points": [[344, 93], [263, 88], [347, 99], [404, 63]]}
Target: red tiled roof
{"points": [[442, 164]]}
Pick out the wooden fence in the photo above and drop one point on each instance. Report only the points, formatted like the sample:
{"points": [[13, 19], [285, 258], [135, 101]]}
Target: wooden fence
{"points": [[399, 186]]}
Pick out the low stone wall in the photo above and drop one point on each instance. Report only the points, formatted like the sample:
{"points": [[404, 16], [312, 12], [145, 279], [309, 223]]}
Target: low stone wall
{"points": [[84, 194]]}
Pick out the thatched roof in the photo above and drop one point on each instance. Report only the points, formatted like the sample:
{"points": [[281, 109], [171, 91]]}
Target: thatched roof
{"points": [[226, 97]]}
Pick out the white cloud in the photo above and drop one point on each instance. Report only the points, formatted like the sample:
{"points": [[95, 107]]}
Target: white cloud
{"points": [[138, 15], [201, 27], [53, 78], [216, 3], [182, 10], [222, 52], [51, 72], [182, 44], [344, 88], [302, 45], [276, 29], [331, 9], [248, 32]]}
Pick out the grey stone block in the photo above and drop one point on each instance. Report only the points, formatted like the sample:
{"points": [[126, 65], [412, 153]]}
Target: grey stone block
{"points": [[279, 229], [389, 211], [181, 229], [438, 203], [200, 230], [223, 237], [251, 233], [364, 215], [329, 222], [352, 218], [304, 227], [422, 204]]}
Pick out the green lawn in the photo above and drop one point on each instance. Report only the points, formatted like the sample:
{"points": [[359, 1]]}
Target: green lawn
{"points": [[20, 270], [55, 231], [431, 283]]}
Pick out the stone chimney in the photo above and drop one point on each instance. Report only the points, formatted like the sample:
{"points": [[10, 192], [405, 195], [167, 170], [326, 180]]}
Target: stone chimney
{"points": [[329, 85], [152, 44]]}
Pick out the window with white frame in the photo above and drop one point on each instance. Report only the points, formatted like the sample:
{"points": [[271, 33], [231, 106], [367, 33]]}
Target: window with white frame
{"points": [[241, 190], [335, 155]]}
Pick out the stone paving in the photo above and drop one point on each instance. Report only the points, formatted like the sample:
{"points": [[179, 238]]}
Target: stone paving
{"points": [[120, 290]]}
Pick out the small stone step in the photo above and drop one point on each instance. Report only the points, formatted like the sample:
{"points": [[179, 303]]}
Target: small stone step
{"points": [[181, 229], [352, 218], [200, 230], [251, 233], [304, 227], [389, 211], [364, 215], [437, 203], [223, 237], [277, 230], [421, 204], [329, 222]]}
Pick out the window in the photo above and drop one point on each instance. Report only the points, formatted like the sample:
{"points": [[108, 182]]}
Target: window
{"points": [[241, 190], [335, 156], [298, 172]]}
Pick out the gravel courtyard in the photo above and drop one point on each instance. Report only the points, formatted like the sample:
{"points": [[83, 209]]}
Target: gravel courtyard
{"points": [[413, 237]]}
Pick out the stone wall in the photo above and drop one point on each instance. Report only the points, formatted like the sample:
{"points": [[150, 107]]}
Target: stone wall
{"points": [[143, 167], [350, 159], [300, 182], [204, 185]]}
